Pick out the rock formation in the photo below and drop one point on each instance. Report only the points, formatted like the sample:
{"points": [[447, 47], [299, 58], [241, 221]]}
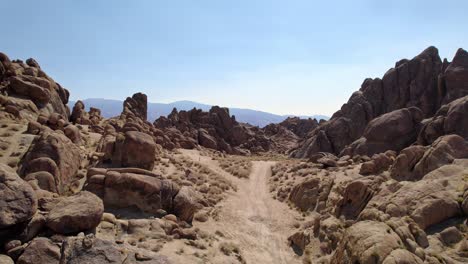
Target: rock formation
{"points": [[215, 129], [424, 82]]}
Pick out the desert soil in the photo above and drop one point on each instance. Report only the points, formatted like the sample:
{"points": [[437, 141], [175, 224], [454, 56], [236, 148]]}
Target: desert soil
{"points": [[251, 218]]}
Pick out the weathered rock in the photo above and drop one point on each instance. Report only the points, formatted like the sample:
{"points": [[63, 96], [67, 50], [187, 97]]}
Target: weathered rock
{"points": [[55, 153], [136, 106], [372, 242], [449, 119], [44, 180], [39, 95], [214, 129], [147, 193], [4, 259], [135, 149], [453, 83], [300, 239], [76, 213], [378, 163], [185, 204], [355, 198], [427, 202], [402, 169], [411, 83], [73, 133], [392, 131], [451, 235], [40, 250], [18, 202], [308, 194], [91, 250]]}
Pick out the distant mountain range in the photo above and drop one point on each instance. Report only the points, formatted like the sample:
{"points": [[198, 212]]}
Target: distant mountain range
{"points": [[111, 108]]}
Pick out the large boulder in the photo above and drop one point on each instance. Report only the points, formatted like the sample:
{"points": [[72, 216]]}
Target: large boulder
{"points": [[40, 250], [403, 166], [91, 250], [186, 204], [26, 87], [18, 201], [355, 198], [451, 118], [454, 81], [136, 106], [392, 131], [55, 153], [311, 194], [427, 202], [135, 149], [73, 214], [126, 189], [413, 163], [372, 242]]}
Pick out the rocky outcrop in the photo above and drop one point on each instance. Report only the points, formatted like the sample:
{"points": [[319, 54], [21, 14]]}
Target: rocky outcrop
{"points": [[423, 82], [80, 116], [392, 131], [73, 214], [148, 192], [311, 194], [426, 202], [451, 118], [24, 82], [453, 83], [18, 201], [378, 163], [54, 153], [300, 127], [136, 106], [416, 161], [372, 242], [214, 129], [134, 149], [40, 250]]}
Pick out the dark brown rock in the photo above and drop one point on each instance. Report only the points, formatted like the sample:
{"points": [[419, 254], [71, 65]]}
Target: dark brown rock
{"points": [[80, 212], [40, 250], [17, 199]]}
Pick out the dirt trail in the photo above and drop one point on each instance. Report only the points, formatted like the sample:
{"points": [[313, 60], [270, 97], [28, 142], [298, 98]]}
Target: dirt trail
{"points": [[254, 220], [258, 222]]}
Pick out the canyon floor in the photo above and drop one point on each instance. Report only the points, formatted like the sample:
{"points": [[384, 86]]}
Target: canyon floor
{"points": [[249, 218]]}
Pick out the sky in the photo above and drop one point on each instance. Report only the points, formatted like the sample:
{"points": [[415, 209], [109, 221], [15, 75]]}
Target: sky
{"points": [[299, 57]]}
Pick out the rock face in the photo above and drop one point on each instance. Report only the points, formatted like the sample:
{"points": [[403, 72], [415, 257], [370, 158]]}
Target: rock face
{"points": [[147, 192], [40, 250], [27, 82], [18, 201], [426, 202], [136, 106], [392, 131], [135, 149], [423, 82], [454, 81], [80, 116], [451, 118], [76, 213], [372, 242], [416, 161], [214, 129], [54, 153], [300, 127], [311, 194]]}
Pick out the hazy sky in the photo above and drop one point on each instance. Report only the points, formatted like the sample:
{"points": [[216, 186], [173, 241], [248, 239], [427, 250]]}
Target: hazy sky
{"points": [[285, 57]]}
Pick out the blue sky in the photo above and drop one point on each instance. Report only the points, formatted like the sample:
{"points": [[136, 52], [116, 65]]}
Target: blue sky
{"points": [[285, 57]]}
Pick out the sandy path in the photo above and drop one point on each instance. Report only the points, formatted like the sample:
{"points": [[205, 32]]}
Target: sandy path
{"points": [[259, 223], [251, 218]]}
